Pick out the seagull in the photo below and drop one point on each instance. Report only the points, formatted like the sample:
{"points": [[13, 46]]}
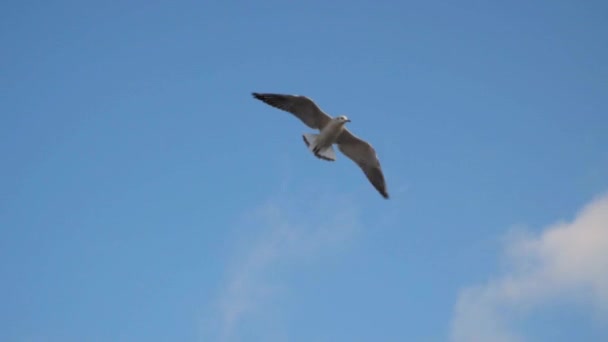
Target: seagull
{"points": [[331, 131]]}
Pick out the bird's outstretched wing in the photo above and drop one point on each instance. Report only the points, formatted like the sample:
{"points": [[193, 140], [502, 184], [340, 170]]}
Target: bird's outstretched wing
{"points": [[301, 106], [364, 155]]}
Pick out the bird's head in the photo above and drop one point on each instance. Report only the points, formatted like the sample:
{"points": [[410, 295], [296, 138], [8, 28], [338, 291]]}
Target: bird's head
{"points": [[342, 119]]}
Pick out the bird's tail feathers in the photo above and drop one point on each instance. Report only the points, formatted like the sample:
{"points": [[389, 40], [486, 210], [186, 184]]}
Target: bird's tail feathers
{"points": [[310, 139], [328, 153]]}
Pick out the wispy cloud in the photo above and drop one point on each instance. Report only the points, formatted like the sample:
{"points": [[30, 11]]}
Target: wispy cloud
{"points": [[567, 259], [283, 235]]}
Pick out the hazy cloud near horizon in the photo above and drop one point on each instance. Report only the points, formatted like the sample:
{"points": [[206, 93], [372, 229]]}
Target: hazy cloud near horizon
{"points": [[565, 260], [280, 240]]}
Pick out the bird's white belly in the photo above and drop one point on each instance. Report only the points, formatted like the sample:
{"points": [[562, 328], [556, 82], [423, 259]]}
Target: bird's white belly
{"points": [[329, 134]]}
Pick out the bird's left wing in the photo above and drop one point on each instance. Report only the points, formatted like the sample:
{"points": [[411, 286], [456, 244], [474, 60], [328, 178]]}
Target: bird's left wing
{"points": [[302, 107]]}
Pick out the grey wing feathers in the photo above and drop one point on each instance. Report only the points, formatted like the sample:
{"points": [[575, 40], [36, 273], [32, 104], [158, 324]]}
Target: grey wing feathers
{"points": [[301, 106], [362, 153]]}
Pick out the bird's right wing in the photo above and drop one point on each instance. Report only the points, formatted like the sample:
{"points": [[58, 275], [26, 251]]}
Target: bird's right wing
{"points": [[364, 155], [301, 106]]}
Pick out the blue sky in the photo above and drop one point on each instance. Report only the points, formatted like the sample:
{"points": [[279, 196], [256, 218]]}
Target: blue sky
{"points": [[146, 196]]}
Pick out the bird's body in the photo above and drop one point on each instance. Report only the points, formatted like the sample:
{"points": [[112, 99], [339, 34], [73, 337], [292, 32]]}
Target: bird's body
{"points": [[331, 131], [329, 134], [321, 144]]}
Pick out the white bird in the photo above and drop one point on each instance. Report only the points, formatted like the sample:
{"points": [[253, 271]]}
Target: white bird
{"points": [[331, 131]]}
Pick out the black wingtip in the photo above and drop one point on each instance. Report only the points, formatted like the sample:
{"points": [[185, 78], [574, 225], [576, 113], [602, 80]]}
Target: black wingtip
{"points": [[259, 96], [382, 191]]}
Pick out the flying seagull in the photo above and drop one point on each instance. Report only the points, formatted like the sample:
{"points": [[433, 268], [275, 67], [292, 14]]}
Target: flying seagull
{"points": [[331, 131]]}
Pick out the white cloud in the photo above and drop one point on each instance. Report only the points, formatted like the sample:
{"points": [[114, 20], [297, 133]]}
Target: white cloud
{"points": [[566, 260], [278, 241]]}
